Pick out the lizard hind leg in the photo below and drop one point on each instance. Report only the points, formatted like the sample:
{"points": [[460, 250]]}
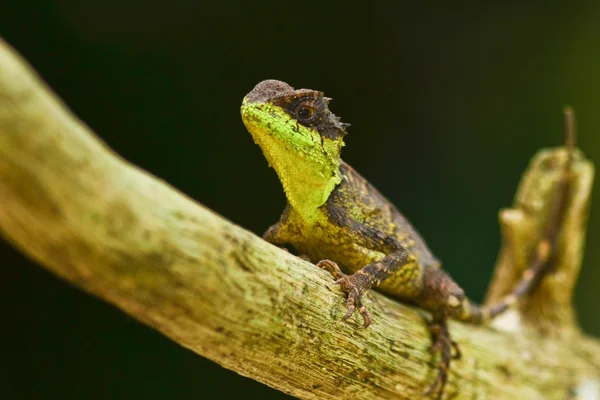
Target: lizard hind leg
{"points": [[443, 344]]}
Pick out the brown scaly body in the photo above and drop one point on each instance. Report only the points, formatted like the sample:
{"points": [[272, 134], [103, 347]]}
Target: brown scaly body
{"points": [[335, 217], [360, 227]]}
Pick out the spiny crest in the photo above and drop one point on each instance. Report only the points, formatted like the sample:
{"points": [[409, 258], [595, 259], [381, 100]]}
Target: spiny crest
{"points": [[308, 107]]}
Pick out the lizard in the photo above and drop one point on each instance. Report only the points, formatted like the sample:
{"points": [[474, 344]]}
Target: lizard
{"points": [[335, 217]]}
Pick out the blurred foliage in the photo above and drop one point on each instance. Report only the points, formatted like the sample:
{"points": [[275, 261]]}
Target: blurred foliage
{"points": [[447, 105]]}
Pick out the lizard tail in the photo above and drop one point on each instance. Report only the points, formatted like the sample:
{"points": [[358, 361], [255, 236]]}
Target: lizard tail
{"points": [[546, 247]]}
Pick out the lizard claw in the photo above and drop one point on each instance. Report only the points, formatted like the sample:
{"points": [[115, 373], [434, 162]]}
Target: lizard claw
{"points": [[457, 354], [353, 289], [351, 301]]}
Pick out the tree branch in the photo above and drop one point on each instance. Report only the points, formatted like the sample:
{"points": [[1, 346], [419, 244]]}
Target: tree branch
{"points": [[115, 231]]}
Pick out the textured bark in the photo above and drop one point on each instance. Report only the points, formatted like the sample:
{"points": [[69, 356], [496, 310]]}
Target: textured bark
{"points": [[115, 231]]}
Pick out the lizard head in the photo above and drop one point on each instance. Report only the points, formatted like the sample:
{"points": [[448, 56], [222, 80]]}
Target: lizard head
{"points": [[301, 139]]}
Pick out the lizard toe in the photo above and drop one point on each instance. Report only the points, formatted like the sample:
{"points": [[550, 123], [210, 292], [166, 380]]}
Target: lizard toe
{"points": [[332, 268]]}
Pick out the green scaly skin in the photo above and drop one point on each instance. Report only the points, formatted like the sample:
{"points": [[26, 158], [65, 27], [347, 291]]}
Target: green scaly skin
{"points": [[334, 216]]}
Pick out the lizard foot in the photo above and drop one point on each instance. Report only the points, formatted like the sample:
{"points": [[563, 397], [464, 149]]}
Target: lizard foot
{"points": [[353, 288], [444, 345]]}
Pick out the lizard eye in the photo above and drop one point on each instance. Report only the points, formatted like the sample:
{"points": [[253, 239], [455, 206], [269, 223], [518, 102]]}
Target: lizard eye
{"points": [[305, 112]]}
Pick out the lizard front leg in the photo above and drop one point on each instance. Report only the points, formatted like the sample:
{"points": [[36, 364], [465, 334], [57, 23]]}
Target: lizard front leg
{"points": [[428, 286], [274, 235], [277, 236], [357, 284]]}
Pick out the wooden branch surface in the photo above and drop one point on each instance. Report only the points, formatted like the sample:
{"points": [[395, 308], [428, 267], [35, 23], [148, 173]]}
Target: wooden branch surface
{"points": [[115, 231]]}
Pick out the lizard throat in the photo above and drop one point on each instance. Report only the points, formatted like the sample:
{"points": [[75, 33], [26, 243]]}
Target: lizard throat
{"points": [[307, 163], [307, 180]]}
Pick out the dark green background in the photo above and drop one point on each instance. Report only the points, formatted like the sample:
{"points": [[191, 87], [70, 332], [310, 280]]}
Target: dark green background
{"points": [[447, 105]]}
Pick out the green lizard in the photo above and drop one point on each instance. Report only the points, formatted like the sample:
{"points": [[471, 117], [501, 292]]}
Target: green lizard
{"points": [[334, 216]]}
